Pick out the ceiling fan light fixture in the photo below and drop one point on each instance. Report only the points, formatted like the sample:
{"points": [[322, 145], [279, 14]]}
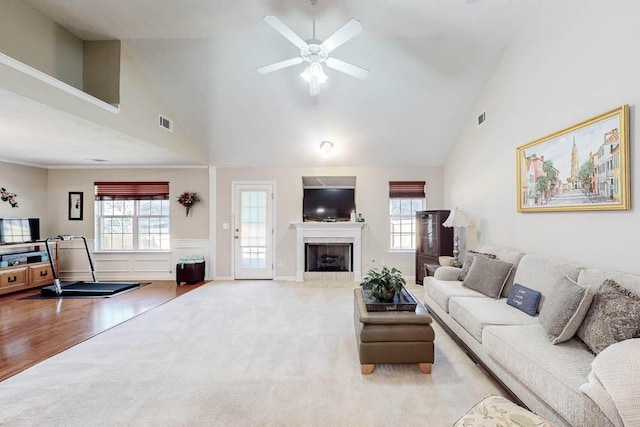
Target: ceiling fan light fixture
{"points": [[326, 147], [315, 76], [316, 52]]}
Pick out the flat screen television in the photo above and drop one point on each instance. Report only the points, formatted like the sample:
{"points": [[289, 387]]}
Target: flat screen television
{"points": [[19, 230], [328, 204]]}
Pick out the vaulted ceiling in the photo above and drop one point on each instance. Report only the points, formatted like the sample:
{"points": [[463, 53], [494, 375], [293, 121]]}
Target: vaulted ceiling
{"points": [[429, 60]]}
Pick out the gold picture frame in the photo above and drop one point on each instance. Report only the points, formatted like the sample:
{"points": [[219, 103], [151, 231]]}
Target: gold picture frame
{"points": [[581, 168]]}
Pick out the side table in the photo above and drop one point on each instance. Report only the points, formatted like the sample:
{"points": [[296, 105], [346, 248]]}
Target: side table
{"points": [[430, 269]]}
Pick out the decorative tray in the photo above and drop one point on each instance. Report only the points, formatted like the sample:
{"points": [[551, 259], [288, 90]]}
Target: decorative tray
{"points": [[403, 302]]}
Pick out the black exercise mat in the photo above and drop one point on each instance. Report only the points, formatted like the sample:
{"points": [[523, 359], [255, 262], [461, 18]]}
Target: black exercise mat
{"points": [[110, 289]]}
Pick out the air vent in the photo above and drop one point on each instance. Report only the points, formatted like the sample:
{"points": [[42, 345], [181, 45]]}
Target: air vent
{"points": [[481, 118], [166, 123]]}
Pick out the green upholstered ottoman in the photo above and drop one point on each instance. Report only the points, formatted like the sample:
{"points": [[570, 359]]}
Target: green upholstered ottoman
{"points": [[393, 336]]}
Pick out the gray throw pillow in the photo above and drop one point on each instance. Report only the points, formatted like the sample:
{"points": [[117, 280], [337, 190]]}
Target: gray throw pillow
{"points": [[468, 260], [614, 316], [564, 309], [488, 276]]}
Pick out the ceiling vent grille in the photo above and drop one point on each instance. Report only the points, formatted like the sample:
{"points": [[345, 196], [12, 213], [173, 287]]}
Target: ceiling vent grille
{"points": [[165, 123], [482, 117]]}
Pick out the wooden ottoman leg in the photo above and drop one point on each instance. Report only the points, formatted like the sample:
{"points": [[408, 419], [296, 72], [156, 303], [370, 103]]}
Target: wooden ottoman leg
{"points": [[367, 369], [425, 368]]}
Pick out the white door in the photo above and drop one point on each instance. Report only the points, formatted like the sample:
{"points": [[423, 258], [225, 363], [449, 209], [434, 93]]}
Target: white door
{"points": [[253, 231]]}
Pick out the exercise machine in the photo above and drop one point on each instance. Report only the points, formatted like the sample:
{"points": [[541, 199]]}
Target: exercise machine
{"points": [[82, 288]]}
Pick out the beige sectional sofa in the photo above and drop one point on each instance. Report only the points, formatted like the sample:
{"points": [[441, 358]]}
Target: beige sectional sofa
{"points": [[515, 347]]}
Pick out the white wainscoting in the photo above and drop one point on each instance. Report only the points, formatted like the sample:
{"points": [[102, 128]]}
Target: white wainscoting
{"points": [[74, 264]]}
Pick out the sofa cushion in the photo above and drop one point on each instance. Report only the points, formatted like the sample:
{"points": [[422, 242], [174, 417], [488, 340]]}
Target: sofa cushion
{"points": [[524, 299], [566, 308], [614, 316], [617, 368], [473, 314], [541, 273], [505, 254], [553, 372], [468, 260], [593, 278], [447, 273], [488, 276], [601, 397], [440, 291]]}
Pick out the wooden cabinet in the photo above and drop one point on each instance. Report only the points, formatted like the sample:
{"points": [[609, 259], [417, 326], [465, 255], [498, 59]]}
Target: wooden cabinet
{"points": [[433, 241], [12, 279], [40, 275], [27, 275]]}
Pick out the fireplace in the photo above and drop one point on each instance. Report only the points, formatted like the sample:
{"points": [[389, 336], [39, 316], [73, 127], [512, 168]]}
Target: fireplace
{"points": [[328, 257], [332, 235]]}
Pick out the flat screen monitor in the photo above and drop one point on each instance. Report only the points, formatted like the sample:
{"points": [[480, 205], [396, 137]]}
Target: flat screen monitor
{"points": [[328, 204], [19, 230]]}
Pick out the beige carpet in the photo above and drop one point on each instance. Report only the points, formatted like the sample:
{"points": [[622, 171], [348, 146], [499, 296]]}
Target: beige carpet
{"points": [[241, 353]]}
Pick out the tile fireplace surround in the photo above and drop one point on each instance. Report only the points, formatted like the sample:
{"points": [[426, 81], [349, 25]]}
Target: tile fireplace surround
{"points": [[329, 232]]}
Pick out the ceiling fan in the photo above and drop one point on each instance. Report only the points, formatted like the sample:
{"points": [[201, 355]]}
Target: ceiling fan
{"points": [[316, 52]]}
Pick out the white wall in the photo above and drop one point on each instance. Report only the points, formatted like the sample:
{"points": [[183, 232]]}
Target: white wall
{"points": [[189, 235], [30, 37], [62, 181], [30, 184], [575, 60], [44, 193], [372, 200]]}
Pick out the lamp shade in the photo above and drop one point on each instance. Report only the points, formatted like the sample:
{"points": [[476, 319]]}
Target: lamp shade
{"points": [[457, 218]]}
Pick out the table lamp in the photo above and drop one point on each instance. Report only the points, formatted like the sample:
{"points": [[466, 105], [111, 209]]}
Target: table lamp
{"points": [[456, 219]]}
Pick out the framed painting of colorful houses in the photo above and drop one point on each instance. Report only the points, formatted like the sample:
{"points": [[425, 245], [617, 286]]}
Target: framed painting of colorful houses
{"points": [[584, 167]]}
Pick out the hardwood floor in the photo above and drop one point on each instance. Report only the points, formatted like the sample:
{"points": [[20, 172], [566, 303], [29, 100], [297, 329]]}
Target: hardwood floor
{"points": [[32, 330]]}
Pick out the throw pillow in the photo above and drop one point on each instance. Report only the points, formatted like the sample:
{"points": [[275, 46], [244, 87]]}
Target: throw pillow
{"points": [[488, 276], [524, 299], [614, 316], [468, 260], [564, 309]]}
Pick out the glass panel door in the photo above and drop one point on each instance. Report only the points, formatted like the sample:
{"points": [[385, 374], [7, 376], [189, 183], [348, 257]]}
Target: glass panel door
{"points": [[253, 232]]}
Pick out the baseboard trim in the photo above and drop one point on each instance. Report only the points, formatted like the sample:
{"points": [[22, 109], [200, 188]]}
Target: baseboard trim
{"points": [[285, 278], [223, 278]]}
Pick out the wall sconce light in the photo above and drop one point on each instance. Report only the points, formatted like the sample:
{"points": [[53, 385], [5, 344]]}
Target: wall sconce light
{"points": [[326, 147]]}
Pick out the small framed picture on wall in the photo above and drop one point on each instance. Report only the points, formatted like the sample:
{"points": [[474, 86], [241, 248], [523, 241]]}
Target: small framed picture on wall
{"points": [[75, 206]]}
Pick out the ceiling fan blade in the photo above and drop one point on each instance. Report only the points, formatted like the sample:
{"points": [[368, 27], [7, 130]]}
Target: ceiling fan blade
{"points": [[287, 32], [344, 33], [280, 65], [345, 67]]}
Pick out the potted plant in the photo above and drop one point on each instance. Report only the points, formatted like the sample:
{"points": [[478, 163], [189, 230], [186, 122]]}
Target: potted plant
{"points": [[383, 284]]}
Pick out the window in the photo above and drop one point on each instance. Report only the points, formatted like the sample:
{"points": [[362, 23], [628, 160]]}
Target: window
{"points": [[132, 216], [405, 199]]}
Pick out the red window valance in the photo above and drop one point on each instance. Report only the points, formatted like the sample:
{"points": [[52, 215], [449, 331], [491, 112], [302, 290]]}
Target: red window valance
{"points": [[132, 190], [406, 189]]}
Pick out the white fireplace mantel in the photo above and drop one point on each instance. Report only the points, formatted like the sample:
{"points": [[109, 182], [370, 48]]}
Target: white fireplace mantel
{"points": [[323, 230]]}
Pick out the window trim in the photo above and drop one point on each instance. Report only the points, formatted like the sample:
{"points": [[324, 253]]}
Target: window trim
{"points": [[405, 217], [135, 227]]}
